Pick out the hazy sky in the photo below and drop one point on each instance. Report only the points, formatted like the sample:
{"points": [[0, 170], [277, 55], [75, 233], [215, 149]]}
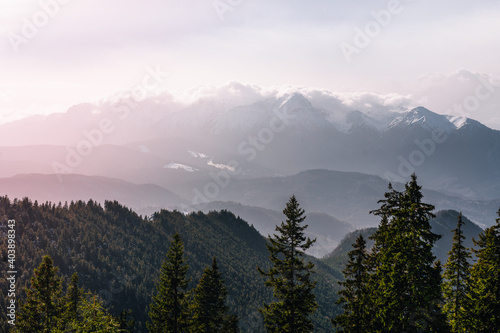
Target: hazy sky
{"points": [[56, 53]]}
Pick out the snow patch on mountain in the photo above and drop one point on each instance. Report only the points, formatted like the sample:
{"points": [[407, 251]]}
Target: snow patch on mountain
{"points": [[220, 166], [176, 166], [197, 154], [458, 122]]}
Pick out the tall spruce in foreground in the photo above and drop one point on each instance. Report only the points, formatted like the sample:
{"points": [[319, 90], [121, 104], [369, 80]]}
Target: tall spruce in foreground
{"points": [[209, 311], [484, 295], [42, 309], [406, 282], [290, 276], [354, 297], [169, 311], [456, 280]]}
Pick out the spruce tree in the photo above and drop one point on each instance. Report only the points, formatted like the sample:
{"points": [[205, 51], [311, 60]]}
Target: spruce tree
{"points": [[484, 294], [209, 311], [290, 276], [73, 298], [169, 310], [354, 297], [406, 282], [456, 280], [41, 310], [94, 318]]}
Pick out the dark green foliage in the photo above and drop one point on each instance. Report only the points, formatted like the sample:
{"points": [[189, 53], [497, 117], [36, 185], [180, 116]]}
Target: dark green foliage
{"points": [[443, 224], [94, 318], [355, 296], [42, 309], [484, 295], [169, 312], [46, 310], [230, 324], [456, 280], [406, 282], [71, 302], [290, 276], [208, 309], [126, 324], [118, 256]]}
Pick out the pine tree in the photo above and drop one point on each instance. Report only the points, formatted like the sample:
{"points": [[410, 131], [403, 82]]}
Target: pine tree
{"points": [[456, 276], [230, 324], [169, 310], [73, 298], [209, 310], [41, 311], [354, 297], [290, 276], [484, 295], [126, 324], [406, 282], [94, 316]]}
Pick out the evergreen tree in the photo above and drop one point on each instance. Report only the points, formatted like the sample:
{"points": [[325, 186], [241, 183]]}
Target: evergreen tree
{"points": [[208, 307], [230, 324], [73, 298], [126, 323], [94, 318], [456, 276], [41, 311], [290, 276], [169, 311], [406, 282], [354, 297], [484, 294]]}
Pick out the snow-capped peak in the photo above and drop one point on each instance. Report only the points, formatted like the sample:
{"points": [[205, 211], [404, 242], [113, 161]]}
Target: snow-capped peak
{"points": [[424, 118], [294, 101]]}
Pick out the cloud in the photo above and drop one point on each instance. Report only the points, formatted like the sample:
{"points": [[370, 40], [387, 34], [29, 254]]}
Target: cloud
{"points": [[462, 93], [230, 94]]}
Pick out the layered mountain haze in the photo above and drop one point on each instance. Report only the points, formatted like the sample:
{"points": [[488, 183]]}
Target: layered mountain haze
{"points": [[327, 230], [48, 188], [244, 145]]}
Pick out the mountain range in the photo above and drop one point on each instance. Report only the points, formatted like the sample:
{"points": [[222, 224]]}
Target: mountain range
{"points": [[247, 150]]}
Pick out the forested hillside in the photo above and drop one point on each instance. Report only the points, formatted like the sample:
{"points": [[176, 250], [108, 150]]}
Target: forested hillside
{"points": [[443, 225], [118, 254]]}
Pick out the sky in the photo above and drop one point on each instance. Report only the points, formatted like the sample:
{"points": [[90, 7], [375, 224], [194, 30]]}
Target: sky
{"points": [[58, 53]]}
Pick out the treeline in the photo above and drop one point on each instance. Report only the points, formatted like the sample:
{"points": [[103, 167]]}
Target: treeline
{"points": [[398, 286], [227, 281]]}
